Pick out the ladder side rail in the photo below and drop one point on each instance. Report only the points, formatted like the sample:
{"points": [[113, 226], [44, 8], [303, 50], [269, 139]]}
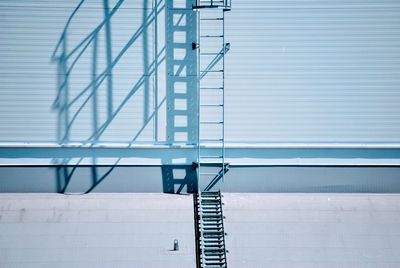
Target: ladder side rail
{"points": [[223, 95], [200, 216], [223, 228]]}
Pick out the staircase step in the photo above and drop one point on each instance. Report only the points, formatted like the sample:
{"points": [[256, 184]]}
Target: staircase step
{"points": [[219, 265], [213, 232], [211, 226], [209, 193], [214, 209], [210, 202], [211, 208], [212, 229], [213, 220], [215, 253], [212, 223], [208, 210], [211, 213], [213, 240]]}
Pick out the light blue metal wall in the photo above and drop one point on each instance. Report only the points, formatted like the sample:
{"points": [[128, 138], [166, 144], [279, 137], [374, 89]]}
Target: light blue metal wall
{"points": [[297, 71], [313, 71], [76, 71]]}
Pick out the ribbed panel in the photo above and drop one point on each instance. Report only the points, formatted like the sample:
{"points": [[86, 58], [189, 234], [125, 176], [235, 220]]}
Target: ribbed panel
{"points": [[296, 71], [32, 39], [313, 71]]}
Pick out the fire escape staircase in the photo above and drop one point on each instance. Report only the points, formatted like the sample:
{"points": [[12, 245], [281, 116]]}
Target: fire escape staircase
{"points": [[211, 229]]}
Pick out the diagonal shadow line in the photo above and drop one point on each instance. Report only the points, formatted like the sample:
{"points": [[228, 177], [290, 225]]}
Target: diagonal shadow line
{"points": [[147, 122], [60, 40], [89, 39], [102, 77], [130, 94], [97, 29], [89, 36], [215, 60], [136, 35], [102, 177], [135, 88], [82, 106], [180, 68], [68, 178], [104, 73], [179, 20], [130, 143], [75, 61], [183, 184], [217, 178]]}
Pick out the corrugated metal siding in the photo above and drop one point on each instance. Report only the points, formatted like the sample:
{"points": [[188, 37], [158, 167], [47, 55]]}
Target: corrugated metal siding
{"points": [[297, 71], [313, 71], [31, 74]]}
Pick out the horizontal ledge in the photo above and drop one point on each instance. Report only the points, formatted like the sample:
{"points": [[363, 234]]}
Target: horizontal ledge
{"points": [[233, 145], [186, 155]]}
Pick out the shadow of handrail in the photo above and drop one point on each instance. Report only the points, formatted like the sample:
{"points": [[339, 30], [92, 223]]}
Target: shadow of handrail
{"points": [[67, 60], [139, 83]]}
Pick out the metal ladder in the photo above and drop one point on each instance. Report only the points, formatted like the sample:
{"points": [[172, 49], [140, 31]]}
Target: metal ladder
{"points": [[211, 166], [211, 50]]}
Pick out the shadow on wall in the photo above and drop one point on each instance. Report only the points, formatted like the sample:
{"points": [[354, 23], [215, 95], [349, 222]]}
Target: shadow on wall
{"points": [[67, 59], [95, 51]]}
